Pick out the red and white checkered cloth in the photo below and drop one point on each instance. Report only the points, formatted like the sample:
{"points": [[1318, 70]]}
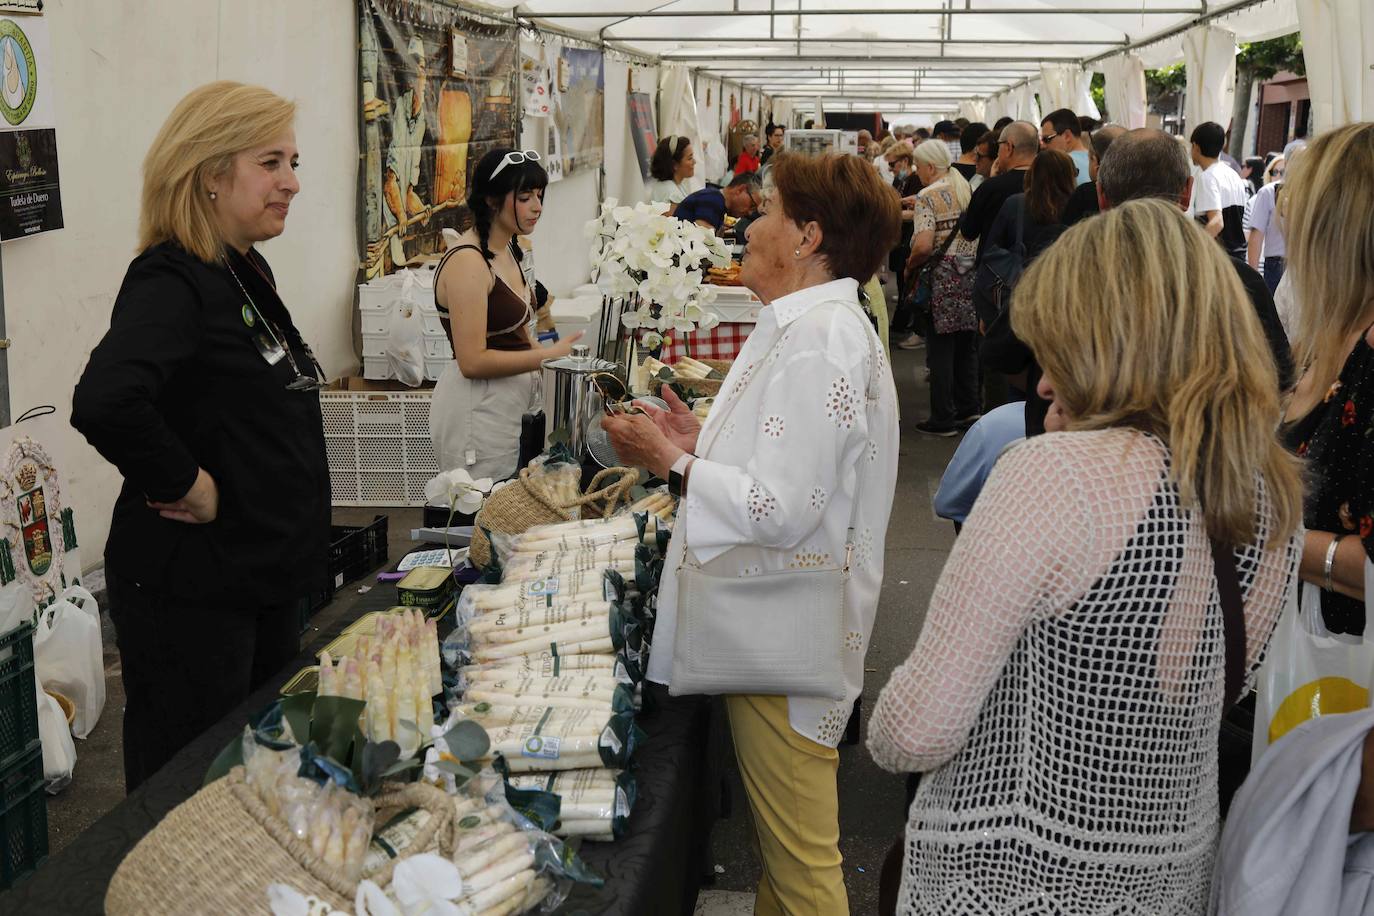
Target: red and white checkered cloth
{"points": [[724, 341]]}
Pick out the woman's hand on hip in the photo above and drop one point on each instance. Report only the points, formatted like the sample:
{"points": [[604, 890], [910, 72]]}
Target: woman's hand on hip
{"points": [[639, 442], [678, 424], [199, 506]]}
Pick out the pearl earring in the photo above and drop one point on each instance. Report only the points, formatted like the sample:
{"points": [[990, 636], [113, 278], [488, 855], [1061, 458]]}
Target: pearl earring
{"points": [[214, 196], [796, 253]]}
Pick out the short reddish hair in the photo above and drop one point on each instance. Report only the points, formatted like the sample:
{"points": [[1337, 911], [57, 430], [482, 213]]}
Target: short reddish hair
{"points": [[860, 215]]}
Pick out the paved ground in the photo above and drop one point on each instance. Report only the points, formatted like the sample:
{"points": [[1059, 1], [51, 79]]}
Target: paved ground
{"points": [[871, 812]]}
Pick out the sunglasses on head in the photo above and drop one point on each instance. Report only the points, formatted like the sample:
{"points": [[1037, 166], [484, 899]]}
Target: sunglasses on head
{"points": [[515, 157]]}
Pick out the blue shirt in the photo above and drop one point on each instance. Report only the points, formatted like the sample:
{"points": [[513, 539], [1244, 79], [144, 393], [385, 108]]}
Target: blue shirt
{"points": [[706, 205], [972, 462], [1080, 159]]}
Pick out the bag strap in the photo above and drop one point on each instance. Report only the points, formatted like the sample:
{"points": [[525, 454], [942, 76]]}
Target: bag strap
{"points": [[1233, 620], [1021, 228]]}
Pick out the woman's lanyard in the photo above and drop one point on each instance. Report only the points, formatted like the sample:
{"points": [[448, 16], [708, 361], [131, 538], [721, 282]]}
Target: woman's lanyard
{"points": [[274, 345]]}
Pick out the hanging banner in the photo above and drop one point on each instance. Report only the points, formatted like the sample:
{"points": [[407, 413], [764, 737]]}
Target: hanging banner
{"points": [[534, 80], [30, 193], [579, 111], [642, 129], [438, 92]]}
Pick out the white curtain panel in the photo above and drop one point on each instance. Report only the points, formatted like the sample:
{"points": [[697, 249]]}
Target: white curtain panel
{"points": [[1083, 94], [1061, 86], [1125, 75], [1027, 108], [1338, 45], [973, 109], [1209, 53]]}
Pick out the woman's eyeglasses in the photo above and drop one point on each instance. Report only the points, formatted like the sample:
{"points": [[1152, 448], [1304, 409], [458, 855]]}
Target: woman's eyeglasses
{"points": [[515, 157]]}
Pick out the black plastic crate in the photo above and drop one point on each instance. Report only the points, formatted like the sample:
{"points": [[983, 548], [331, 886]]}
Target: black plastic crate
{"points": [[311, 604], [18, 705], [23, 819], [354, 552]]}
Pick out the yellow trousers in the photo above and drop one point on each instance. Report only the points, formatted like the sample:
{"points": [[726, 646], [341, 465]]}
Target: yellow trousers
{"points": [[790, 781]]}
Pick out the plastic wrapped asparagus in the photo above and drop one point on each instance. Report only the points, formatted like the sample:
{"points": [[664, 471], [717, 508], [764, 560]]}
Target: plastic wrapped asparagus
{"points": [[335, 823], [594, 803], [532, 738], [572, 692]]}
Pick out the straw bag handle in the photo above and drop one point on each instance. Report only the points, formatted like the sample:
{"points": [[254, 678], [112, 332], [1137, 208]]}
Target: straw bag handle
{"points": [[612, 494], [542, 496], [433, 800]]}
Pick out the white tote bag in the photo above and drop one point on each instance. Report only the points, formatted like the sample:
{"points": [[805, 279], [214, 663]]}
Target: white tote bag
{"points": [[405, 345], [1308, 671], [68, 655]]}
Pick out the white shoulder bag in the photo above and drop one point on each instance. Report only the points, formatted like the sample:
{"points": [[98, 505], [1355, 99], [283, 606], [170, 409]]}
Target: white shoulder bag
{"points": [[777, 633]]}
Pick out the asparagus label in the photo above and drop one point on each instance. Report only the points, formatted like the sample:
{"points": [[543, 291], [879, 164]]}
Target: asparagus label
{"points": [[542, 746]]}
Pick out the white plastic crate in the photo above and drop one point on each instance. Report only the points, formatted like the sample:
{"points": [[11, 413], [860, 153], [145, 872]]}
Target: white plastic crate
{"points": [[378, 446]]}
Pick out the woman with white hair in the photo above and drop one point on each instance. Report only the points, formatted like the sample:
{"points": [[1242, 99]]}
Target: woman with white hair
{"points": [[940, 276]]}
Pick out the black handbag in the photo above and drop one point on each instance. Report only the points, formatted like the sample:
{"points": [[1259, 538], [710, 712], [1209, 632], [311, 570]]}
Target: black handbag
{"points": [[998, 271]]}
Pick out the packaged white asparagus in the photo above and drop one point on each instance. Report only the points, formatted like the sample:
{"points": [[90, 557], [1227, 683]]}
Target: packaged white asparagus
{"points": [[619, 556], [564, 692], [508, 864], [335, 823], [546, 664], [594, 803], [549, 738]]}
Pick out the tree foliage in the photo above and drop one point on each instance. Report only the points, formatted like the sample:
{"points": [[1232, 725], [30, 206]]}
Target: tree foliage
{"points": [[1264, 59]]}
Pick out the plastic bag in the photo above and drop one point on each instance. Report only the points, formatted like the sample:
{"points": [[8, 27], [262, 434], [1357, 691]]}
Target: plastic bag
{"points": [[59, 751], [1307, 671], [594, 804], [405, 343], [68, 655], [16, 605]]}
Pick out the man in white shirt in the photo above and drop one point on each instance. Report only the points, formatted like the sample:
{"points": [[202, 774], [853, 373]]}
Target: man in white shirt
{"points": [[1264, 234], [1222, 193]]}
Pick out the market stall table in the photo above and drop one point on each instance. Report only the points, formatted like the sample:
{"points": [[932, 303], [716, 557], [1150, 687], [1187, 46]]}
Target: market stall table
{"points": [[656, 867]]}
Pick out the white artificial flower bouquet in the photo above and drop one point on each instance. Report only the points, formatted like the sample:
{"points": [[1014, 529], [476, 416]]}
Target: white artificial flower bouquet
{"points": [[658, 262]]}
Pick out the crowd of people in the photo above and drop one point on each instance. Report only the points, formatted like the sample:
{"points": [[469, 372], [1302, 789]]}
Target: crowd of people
{"points": [[1155, 455]]}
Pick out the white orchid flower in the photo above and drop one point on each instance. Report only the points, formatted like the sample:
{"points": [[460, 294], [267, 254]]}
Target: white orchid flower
{"points": [[427, 884], [284, 900], [652, 340], [456, 489], [371, 900]]}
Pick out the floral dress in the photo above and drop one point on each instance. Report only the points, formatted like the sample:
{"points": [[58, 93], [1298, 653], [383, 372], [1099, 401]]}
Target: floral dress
{"points": [[1337, 442], [951, 300]]}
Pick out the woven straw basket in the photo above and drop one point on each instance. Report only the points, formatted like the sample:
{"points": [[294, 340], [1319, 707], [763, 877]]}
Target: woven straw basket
{"points": [[707, 387], [218, 851], [520, 506]]}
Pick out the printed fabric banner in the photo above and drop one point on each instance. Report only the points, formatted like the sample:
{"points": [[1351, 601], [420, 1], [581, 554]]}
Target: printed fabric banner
{"points": [[438, 92], [642, 129], [30, 193], [579, 113]]}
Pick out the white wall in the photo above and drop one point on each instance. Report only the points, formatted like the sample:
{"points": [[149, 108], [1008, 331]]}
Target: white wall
{"points": [[121, 67]]}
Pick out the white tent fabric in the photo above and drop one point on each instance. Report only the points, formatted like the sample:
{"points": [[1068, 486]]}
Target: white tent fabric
{"points": [[973, 109], [1061, 88], [1068, 86], [1338, 45], [1024, 106], [1210, 58], [1125, 90]]}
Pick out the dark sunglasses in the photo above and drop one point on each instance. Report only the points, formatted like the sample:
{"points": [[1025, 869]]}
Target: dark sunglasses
{"points": [[1049, 139]]}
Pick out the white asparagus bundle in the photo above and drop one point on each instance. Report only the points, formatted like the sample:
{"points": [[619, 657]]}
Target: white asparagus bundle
{"points": [[586, 795], [658, 503], [496, 860], [549, 624], [542, 737], [619, 556], [568, 692], [334, 823], [514, 596], [395, 671], [544, 665], [580, 534], [494, 652], [689, 368], [595, 830]]}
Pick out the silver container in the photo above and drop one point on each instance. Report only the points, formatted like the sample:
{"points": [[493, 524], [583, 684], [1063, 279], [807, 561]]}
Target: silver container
{"points": [[571, 401]]}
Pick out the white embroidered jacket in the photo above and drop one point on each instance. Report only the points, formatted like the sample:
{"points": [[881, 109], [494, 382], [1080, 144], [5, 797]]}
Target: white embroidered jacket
{"points": [[775, 488]]}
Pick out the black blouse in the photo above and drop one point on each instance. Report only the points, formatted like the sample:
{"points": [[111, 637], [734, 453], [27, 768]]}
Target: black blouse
{"points": [[1337, 441], [179, 383]]}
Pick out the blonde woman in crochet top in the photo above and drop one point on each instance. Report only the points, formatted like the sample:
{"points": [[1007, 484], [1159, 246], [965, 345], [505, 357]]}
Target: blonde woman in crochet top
{"points": [[1065, 694]]}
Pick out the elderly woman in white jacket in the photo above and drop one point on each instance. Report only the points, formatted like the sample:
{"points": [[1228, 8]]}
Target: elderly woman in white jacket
{"points": [[769, 482]]}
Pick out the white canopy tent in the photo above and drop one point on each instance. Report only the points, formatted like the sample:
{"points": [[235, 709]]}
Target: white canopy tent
{"points": [[912, 58]]}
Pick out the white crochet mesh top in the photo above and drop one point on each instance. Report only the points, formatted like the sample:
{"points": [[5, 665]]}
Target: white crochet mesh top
{"points": [[1065, 693]]}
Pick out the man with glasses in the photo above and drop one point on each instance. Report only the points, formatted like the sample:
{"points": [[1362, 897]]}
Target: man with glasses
{"points": [[1063, 131], [708, 206], [1015, 151]]}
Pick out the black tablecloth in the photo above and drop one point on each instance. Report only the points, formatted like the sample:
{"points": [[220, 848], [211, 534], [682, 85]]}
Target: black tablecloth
{"points": [[655, 868]]}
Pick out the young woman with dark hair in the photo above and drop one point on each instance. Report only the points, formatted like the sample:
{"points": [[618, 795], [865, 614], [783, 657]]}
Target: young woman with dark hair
{"points": [[486, 304], [673, 163]]}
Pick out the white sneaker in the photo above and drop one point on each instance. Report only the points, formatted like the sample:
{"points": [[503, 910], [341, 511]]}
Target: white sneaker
{"points": [[912, 342]]}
